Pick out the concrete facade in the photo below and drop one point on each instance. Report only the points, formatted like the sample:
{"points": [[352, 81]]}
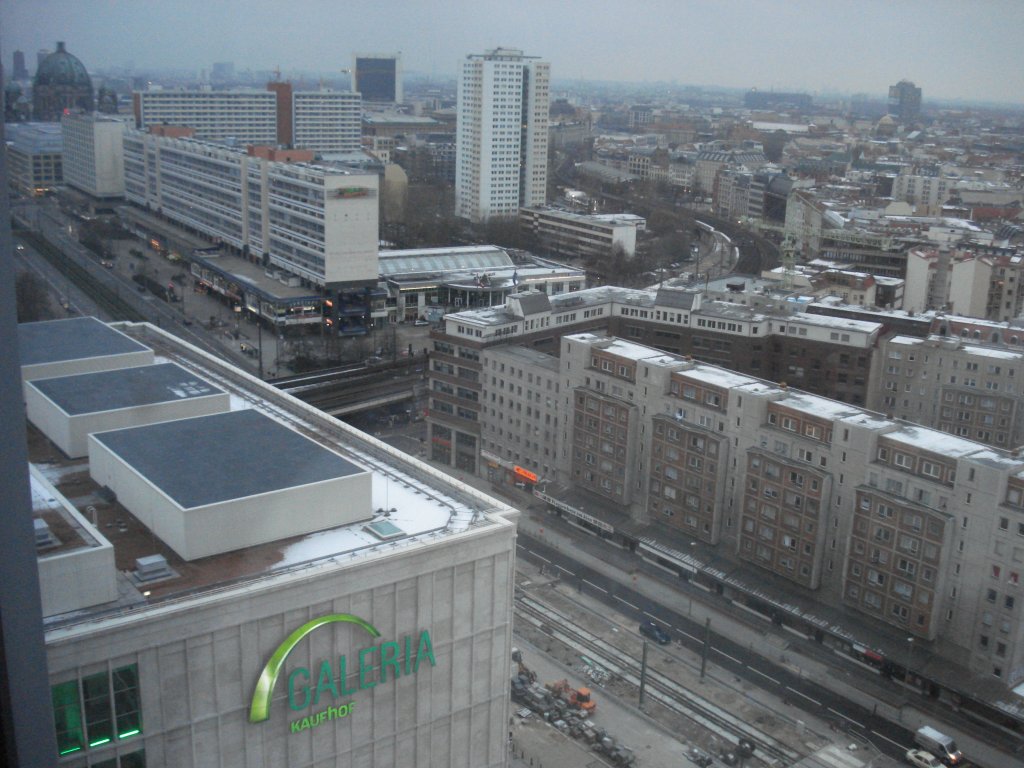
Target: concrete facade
{"points": [[850, 506], [819, 353], [955, 384], [249, 117], [502, 134], [578, 234], [327, 121], [94, 154], [76, 567], [35, 162], [315, 221], [396, 633], [324, 120], [520, 394], [197, 663]]}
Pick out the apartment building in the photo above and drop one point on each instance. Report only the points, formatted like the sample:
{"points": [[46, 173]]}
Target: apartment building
{"points": [[926, 188], [955, 384], [501, 134], [521, 424], [712, 160], [318, 222], [983, 282], [820, 353], [578, 234], [246, 116], [321, 120], [93, 154], [829, 501], [533, 320], [327, 121]]}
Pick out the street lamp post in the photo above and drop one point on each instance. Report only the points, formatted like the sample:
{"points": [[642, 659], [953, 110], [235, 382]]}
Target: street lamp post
{"points": [[689, 595], [910, 656]]}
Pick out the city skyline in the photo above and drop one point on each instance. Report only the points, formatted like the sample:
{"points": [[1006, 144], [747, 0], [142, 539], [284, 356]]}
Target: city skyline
{"points": [[951, 51]]}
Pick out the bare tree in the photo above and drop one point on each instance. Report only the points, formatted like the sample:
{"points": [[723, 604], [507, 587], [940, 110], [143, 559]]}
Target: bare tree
{"points": [[32, 298]]}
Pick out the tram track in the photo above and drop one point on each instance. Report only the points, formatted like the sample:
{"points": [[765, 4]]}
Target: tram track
{"points": [[661, 688], [105, 299]]}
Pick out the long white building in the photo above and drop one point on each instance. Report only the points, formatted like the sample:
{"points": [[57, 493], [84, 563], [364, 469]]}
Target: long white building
{"points": [[315, 221], [327, 121], [583, 234], [323, 120], [191, 618], [247, 116], [502, 134]]}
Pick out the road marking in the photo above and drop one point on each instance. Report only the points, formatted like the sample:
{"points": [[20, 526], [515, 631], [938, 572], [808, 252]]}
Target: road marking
{"points": [[762, 674], [634, 607], [894, 743], [650, 614], [565, 570], [687, 634], [595, 586], [833, 711], [723, 653], [815, 702]]}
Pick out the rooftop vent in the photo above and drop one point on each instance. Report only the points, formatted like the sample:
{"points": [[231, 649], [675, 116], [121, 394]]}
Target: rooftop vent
{"points": [[44, 538], [152, 567]]}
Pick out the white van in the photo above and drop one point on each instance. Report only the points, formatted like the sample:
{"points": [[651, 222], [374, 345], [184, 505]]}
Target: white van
{"points": [[939, 744]]}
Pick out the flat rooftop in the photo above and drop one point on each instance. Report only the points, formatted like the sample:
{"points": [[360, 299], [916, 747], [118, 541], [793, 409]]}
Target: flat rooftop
{"points": [[77, 338], [254, 276], [123, 388], [414, 507], [212, 459]]}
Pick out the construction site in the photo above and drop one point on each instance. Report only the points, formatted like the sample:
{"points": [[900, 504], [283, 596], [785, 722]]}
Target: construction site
{"points": [[577, 701]]}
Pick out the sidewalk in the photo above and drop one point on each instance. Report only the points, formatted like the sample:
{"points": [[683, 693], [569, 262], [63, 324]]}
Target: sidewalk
{"points": [[890, 700]]}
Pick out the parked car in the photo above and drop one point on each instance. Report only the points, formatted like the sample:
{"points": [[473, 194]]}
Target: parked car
{"points": [[651, 630], [922, 759], [699, 757], [421, 321]]}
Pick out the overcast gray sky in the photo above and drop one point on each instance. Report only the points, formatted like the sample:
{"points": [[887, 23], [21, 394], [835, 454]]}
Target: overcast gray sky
{"points": [[951, 48]]}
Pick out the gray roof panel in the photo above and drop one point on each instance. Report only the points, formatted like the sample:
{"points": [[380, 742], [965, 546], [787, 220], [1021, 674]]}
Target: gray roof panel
{"points": [[76, 338], [534, 302], [676, 299], [123, 388], [214, 459]]}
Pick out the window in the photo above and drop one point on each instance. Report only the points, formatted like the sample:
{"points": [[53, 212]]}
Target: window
{"points": [[104, 707]]}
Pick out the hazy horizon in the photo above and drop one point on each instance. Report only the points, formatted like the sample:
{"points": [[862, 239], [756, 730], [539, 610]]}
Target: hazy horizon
{"points": [[952, 50]]}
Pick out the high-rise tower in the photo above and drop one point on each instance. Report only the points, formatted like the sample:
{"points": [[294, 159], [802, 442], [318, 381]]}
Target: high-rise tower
{"points": [[378, 77], [20, 73], [502, 134], [905, 101]]}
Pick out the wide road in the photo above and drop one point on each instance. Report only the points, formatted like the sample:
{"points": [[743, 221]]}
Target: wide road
{"points": [[799, 693]]}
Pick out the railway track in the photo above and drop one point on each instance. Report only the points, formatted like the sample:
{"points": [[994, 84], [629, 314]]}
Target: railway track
{"points": [[663, 689]]}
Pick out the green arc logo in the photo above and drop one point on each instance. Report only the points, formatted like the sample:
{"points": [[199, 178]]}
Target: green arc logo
{"points": [[260, 708]]}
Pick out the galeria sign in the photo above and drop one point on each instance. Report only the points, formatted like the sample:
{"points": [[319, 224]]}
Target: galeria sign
{"points": [[375, 664]]}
